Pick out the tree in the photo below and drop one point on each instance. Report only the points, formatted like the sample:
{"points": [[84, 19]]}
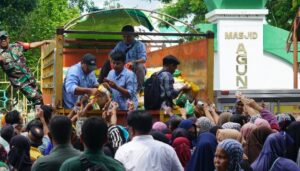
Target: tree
{"points": [[111, 4], [41, 24], [83, 5], [281, 12], [193, 10], [13, 12], [34, 20]]}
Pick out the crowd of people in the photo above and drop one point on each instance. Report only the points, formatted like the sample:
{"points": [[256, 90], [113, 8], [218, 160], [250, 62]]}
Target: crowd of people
{"points": [[249, 138]]}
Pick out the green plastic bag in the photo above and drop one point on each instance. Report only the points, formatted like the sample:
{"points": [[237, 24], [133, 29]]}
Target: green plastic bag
{"points": [[177, 73], [189, 108], [181, 100]]}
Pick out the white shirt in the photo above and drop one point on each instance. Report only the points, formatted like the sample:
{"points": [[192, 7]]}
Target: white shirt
{"points": [[144, 153]]}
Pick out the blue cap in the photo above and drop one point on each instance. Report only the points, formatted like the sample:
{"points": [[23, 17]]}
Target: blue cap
{"points": [[186, 124]]}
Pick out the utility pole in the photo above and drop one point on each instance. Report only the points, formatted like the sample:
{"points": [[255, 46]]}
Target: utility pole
{"points": [[295, 44]]}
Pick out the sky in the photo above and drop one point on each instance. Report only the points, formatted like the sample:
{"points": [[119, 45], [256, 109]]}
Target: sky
{"points": [[142, 4]]}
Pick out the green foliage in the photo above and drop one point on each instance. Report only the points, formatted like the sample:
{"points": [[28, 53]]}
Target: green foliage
{"points": [[112, 4], [41, 24], [36, 20], [12, 10], [193, 10], [83, 5], [281, 13]]}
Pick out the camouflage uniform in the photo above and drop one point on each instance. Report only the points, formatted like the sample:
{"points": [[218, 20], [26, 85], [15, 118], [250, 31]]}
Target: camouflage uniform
{"points": [[14, 65]]}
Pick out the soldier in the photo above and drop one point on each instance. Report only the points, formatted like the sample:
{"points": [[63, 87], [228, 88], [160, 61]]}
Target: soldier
{"points": [[13, 63]]}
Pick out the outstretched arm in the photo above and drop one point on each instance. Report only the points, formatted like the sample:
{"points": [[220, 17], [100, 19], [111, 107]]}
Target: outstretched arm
{"points": [[39, 44]]}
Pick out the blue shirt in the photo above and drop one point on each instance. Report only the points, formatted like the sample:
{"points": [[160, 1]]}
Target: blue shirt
{"points": [[138, 50], [127, 80], [166, 85], [76, 78]]}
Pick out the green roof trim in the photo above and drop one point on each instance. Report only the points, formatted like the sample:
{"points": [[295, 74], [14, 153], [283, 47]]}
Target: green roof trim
{"points": [[275, 42], [235, 4], [108, 21], [170, 29], [210, 27], [203, 28]]}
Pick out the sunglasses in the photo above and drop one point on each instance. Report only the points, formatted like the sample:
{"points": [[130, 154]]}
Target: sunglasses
{"points": [[3, 37]]}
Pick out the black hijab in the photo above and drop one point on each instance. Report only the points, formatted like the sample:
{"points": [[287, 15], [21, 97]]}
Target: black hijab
{"points": [[18, 156], [293, 130]]}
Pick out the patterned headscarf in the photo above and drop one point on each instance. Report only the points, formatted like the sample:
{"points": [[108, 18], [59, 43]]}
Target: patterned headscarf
{"points": [[234, 151], [283, 117], [159, 126], [247, 129], [231, 125], [204, 123], [284, 120]]}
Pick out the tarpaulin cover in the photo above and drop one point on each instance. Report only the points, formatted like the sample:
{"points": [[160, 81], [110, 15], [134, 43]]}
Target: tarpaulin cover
{"points": [[107, 21]]}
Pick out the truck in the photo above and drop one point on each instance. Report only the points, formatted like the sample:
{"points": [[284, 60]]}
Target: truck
{"points": [[98, 33]]}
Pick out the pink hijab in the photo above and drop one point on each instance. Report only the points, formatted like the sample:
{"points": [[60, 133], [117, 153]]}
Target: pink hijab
{"points": [[159, 126], [262, 122], [247, 129]]}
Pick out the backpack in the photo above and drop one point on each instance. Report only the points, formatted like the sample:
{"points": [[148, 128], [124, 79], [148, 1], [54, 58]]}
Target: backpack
{"points": [[152, 92], [87, 165]]}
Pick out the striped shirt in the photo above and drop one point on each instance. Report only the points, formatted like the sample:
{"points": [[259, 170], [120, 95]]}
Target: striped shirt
{"points": [[115, 137]]}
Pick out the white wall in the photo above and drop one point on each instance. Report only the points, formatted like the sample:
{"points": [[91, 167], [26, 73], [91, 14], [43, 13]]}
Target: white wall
{"points": [[228, 52], [240, 45], [274, 73]]}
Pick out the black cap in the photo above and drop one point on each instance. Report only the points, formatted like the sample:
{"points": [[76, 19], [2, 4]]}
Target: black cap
{"points": [[3, 33], [170, 59], [90, 60], [128, 28], [7, 132]]}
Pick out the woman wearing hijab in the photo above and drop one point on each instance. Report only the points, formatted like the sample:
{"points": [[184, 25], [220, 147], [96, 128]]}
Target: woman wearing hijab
{"points": [[284, 120], [189, 125], [224, 117], [247, 129], [203, 124], [231, 125], [215, 129], [262, 122], [223, 134], [255, 142], [272, 155], [159, 126], [228, 156], [202, 158], [18, 156], [293, 151], [179, 132], [182, 146]]}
